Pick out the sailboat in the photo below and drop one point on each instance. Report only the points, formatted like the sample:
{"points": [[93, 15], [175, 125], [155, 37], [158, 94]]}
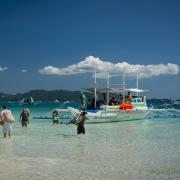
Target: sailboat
{"points": [[27, 100]]}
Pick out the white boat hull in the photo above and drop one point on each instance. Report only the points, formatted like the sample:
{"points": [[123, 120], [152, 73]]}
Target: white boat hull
{"points": [[114, 115]]}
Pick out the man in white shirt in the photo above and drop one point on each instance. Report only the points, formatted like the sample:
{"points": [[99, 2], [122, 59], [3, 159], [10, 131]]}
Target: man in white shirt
{"points": [[5, 116]]}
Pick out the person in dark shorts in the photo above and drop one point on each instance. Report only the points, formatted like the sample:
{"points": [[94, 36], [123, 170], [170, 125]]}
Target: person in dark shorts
{"points": [[80, 123], [24, 117]]}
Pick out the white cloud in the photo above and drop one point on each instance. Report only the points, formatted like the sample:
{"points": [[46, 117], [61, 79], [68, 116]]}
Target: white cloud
{"points": [[3, 68], [90, 64], [24, 70]]}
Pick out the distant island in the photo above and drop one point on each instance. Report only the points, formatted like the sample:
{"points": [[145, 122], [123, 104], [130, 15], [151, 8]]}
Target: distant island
{"points": [[43, 95], [60, 95]]}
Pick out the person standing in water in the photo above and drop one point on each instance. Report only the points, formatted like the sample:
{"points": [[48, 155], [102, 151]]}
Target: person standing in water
{"points": [[7, 118], [80, 123], [55, 116], [24, 117]]}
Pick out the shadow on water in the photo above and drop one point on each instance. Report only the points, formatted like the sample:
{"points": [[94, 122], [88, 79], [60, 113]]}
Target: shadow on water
{"points": [[66, 135], [166, 122], [113, 121]]}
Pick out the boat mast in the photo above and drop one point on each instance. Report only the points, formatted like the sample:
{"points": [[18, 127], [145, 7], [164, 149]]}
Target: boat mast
{"points": [[107, 98], [123, 84], [137, 82], [95, 89]]}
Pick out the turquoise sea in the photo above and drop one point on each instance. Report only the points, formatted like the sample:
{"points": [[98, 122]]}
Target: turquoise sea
{"points": [[147, 149]]}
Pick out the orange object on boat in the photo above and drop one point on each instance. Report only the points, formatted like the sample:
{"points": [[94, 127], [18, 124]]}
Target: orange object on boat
{"points": [[129, 106], [125, 106], [122, 106]]}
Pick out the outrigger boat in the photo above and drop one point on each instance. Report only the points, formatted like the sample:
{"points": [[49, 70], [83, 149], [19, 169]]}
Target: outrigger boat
{"points": [[108, 113], [113, 113]]}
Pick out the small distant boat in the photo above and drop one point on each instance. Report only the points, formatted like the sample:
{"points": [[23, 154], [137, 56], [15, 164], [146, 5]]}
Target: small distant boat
{"points": [[10, 102], [66, 102], [177, 102]]}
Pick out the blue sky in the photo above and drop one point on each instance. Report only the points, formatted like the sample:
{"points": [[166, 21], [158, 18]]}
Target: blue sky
{"points": [[35, 34]]}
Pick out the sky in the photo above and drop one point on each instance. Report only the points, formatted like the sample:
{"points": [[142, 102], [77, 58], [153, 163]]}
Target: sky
{"points": [[57, 44]]}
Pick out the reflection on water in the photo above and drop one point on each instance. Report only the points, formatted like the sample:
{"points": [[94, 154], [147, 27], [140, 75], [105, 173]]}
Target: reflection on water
{"points": [[144, 149]]}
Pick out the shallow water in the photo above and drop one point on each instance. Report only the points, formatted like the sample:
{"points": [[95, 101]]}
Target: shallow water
{"points": [[143, 149]]}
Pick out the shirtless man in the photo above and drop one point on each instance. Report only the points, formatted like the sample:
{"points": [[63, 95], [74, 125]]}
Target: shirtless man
{"points": [[7, 119]]}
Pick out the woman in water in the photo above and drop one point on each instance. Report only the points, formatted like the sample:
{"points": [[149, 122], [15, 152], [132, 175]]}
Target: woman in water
{"points": [[24, 117]]}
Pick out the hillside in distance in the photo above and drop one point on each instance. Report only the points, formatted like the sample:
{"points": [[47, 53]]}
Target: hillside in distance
{"points": [[60, 95], [44, 95]]}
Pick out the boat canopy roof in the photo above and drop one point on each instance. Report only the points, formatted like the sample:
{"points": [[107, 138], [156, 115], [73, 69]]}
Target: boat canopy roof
{"points": [[136, 90], [104, 90], [114, 90]]}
